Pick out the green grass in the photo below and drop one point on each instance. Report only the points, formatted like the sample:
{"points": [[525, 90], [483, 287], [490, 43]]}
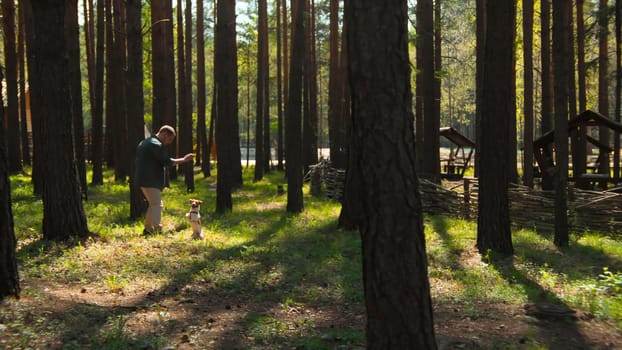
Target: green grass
{"points": [[264, 256]]}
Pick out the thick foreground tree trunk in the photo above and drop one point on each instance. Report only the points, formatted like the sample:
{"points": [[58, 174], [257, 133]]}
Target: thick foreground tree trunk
{"points": [[9, 278], [63, 214], [397, 292], [493, 222]]}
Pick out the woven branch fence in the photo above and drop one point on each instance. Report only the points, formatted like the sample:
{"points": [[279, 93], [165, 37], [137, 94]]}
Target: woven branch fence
{"points": [[599, 211]]}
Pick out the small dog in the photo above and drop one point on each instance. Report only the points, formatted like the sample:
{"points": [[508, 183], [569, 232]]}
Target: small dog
{"points": [[194, 217]]}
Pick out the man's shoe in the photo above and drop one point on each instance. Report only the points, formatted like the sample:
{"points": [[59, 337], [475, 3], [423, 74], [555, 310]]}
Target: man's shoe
{"points": [[148, 233]]}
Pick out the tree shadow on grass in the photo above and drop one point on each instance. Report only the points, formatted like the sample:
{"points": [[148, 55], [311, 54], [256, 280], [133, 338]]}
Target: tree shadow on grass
{"points": [[279, 279], [560, 333], [441, 227], [561, 329]]}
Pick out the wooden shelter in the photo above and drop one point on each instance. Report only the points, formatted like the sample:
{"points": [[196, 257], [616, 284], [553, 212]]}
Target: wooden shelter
{"points": [[544, 150], [453, 167]]}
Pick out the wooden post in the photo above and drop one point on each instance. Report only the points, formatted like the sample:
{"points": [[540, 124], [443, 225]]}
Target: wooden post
{"points": [[467, 198]]}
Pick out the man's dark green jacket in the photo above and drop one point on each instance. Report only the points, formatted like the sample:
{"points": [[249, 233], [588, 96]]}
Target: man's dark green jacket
{"points": [[151, 160]]}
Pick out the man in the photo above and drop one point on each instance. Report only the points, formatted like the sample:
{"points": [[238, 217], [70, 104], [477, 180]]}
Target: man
{"points": [[151, 161]]}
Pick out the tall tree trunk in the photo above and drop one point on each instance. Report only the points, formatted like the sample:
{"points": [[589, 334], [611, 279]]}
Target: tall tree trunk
{"points": [[479, 75], [227, 130], [397, 291], [528, 131], [109, 130], [286, 59], [36, 110], [97, 143], [344, 121], [184, 104], [581, 74], [163, 64], [203, 153], [117, 104], [163, 70], [545, 57], [75, 89], [419, 89], [310, 115], [211, 143], [181, 73], [561, 59], [267, 158], [89, 43], [21, 61], [134, 92], [547, 78], [279, 84], [262, 91], [333, 79], [63, 214], [579, 153], [575, 136], [9, 275], [293, 125], [603, 80], [616, 140], [431, 124], [493, 222], [438, 60], [12, 133], [186, 140]]}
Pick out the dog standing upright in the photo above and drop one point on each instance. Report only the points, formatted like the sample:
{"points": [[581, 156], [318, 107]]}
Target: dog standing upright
{"points": [[194, 217]]}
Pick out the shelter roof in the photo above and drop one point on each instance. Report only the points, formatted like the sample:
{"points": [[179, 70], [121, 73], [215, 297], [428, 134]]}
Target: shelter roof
{"points": [[456, 137], [585, 118]]}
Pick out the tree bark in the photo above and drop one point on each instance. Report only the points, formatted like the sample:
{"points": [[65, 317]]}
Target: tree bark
{"points": [[579, 153], [431, 124], [163, 70], [184, 74], [21, 59], [603, 80], [310, 115], [75, 89], [203, 152], [481, 25], [117, 106], [293, 125], [9, 275], [547, 78], [12, 133], [528, 131], [561, 58], [227, 130], [134, 92], [262, 91], [63, 214], [36, 110], [279, 84], [397, 292], [97, 143], [493, 222], [267, 146], [618, 108], [333, 79]]}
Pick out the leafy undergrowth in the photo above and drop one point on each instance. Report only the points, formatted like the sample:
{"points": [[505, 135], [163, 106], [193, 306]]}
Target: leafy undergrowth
{"points": [[264, 279]]}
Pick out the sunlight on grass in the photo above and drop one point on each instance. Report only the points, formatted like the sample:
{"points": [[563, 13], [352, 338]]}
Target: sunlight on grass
{"points": [[264, 255]]}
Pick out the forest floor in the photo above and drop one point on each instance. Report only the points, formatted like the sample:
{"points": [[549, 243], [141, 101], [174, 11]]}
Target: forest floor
{"points": [[265, 280], [198, 318]]}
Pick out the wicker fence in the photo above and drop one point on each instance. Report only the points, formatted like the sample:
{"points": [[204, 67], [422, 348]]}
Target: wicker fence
{"points": [[599, 211]]}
